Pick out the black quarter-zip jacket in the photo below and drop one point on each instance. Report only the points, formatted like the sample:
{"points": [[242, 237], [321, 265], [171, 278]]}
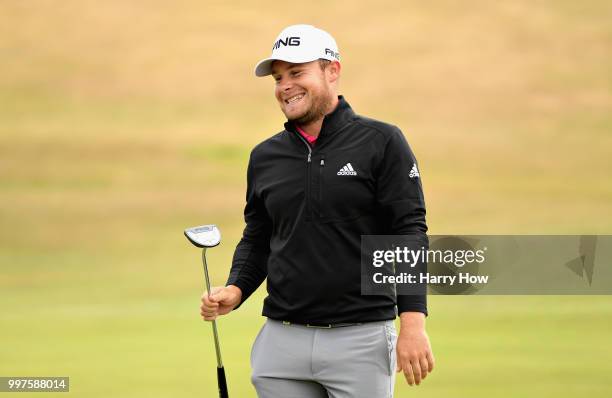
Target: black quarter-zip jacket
{"points": [[307, 208]]}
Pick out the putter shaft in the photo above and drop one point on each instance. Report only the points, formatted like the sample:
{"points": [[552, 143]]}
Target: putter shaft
{"points": [[214, 323]]}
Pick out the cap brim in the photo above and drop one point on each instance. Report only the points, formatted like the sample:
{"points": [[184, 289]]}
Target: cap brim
{"points": [[264, 67]]}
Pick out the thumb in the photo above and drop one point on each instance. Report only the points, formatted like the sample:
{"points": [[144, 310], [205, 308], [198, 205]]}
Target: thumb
{"points": [[217, 295]]}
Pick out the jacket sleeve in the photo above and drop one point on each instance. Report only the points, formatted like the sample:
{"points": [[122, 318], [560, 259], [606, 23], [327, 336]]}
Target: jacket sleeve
{"points": [[401, 201], [249, 264]]}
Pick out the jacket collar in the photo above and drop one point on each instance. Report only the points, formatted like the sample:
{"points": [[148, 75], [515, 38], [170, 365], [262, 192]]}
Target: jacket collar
{"points": [[332, 122]]}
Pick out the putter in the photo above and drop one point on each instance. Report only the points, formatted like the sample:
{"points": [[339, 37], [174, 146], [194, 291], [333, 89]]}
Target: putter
{"points": [[206, 236]]}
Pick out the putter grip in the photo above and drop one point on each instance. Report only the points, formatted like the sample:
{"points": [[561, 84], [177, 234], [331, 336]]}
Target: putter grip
{"points": [[222, 383]]}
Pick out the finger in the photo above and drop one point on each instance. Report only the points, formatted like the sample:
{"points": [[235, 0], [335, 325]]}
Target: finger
{"points": [[210, 309], [210, 318], [208, 312], [209, 305], [424, 367], [416, 370], [206, 300], [408, 374], [430, 361]]}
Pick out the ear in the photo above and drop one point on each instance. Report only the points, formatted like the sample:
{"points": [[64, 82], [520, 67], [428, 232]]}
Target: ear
{"points": [[333, 71]]}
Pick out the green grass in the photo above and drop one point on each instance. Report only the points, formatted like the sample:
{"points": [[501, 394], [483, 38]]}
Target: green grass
{"points": [[123, 123]]}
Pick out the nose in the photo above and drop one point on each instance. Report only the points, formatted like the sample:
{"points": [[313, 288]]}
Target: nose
{"points": [[284, 84]]}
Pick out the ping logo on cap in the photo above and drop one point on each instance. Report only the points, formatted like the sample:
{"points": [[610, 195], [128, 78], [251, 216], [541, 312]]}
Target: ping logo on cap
{"points": [[289, 41], [332, 53]]}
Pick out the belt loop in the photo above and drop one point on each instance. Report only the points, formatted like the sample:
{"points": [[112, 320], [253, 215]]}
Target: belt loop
{"points": [[328, 326]]}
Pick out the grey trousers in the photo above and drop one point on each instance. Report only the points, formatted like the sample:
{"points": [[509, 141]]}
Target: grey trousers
{"points": [[294, 361]]}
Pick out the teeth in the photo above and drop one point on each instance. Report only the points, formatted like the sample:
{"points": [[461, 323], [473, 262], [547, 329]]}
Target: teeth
{"points": [[295, 98]]}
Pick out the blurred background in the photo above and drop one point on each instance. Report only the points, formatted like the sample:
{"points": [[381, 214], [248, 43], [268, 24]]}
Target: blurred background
{"points": [[121, 123]]}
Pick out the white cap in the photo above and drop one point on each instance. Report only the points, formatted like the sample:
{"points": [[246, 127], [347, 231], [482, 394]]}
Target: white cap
{"points": [[298, 44]]}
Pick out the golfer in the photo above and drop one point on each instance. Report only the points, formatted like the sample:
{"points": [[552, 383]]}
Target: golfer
{"points": [[313, 189]]}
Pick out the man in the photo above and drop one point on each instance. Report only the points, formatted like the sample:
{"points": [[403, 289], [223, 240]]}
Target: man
{"points": [[312, 190]]}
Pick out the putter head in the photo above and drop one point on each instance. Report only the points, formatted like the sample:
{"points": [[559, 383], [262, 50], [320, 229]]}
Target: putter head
{"points": [[204, 236]]}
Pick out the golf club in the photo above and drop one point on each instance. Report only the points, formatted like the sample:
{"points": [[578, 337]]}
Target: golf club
{"points": [[206, 236]]}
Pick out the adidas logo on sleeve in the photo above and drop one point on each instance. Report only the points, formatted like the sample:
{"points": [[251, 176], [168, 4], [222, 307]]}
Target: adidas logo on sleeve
{"points": [[347, 170], [414, 172]]}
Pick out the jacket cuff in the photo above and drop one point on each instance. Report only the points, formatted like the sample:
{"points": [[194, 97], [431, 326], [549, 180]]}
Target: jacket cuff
{"points": [[411, 304]]}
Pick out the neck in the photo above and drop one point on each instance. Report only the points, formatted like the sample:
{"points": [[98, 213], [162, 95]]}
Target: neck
{"points": [[314, 128]]}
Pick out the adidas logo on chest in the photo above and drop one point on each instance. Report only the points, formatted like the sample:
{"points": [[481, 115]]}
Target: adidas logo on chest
{"points": [[347, 170]]}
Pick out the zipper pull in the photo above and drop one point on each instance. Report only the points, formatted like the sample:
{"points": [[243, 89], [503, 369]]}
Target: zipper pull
{"points": [[322, 162], [309, 154]]}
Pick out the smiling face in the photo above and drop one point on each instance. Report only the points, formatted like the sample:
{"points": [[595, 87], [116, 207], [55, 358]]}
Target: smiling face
{"points": [[304, 92]]}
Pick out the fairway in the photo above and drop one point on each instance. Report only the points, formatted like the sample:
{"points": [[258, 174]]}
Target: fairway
{"points": [[123, 123]]}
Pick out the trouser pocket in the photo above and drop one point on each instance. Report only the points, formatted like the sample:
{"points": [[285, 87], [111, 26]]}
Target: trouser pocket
{"points": [[391, 338]]}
